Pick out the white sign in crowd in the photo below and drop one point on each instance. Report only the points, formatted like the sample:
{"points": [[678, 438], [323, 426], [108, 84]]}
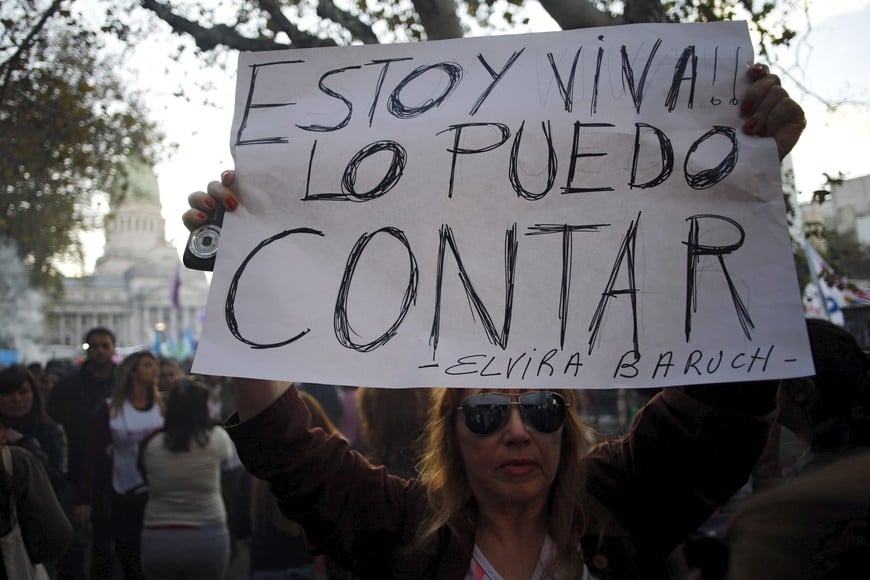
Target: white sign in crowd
{"points": [[569, 209]]}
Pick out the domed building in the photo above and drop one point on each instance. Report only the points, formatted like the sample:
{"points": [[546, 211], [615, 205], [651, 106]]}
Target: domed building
{"points": [[139, 288]]}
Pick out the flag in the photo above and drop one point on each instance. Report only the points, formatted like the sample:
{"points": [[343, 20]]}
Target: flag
{"points": [[157, 347], [821, 299], [175, 287], [186, 345], [854, 295]]}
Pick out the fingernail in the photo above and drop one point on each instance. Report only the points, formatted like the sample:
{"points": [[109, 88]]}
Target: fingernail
{"points": [[210, 202], [225, 175], [747, 106], [750, 125], [231, 203], [758, 69], [201, 215]]}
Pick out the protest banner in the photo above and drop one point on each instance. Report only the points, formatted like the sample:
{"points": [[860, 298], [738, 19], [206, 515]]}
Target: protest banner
{"points": [[569, 209]]}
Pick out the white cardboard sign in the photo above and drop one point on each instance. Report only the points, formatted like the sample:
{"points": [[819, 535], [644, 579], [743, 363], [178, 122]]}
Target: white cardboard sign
{"points": [[569, 209]]}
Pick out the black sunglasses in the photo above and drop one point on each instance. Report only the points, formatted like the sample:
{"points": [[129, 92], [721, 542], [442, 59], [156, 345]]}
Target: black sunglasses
{"points": [[485, 413]]}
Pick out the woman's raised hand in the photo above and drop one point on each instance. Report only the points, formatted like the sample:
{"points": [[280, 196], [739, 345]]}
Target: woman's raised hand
{"points": [[221, 193], [770, 112]]}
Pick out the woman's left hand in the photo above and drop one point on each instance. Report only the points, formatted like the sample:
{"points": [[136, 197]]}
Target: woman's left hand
{"points": [[770, 112], [10, 435]]}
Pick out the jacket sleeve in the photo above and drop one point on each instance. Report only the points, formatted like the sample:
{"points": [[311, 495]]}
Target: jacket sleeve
{"points": [[688, 451], [96, 459], [355, 512], [45, 528]]}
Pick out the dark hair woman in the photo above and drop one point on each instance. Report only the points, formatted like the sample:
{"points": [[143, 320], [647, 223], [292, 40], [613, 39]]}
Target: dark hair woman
{"points": [[185, 527], [24, 422]]}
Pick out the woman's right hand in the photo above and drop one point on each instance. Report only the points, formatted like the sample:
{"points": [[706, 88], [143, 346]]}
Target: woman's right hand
{"points": [[253, 395], [223, 193]]}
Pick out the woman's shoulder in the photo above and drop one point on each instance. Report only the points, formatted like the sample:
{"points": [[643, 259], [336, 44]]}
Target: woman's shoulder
{"points": [[25, 466]]}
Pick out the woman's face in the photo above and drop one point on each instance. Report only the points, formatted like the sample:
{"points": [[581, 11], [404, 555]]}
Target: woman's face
{"points": [[146, 371], [18, 402], [515, 466]]}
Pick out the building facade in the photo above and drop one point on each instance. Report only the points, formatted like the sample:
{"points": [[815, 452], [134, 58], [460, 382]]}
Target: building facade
{"points": [[846, 212], [139, 289]]}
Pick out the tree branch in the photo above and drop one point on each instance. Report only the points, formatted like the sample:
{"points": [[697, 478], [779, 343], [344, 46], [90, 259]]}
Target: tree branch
{"points": [[644, 11], [439, 19], [222, 35], [577, 14], [357, 28], [9, 65], [297, 37]]}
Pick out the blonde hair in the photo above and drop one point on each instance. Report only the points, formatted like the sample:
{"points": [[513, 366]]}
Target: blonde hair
{"points": [[124, 382], [452, 504]]}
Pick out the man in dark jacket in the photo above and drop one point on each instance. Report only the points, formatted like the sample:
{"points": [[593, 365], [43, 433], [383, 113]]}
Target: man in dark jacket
{"points": [[72, 404]]}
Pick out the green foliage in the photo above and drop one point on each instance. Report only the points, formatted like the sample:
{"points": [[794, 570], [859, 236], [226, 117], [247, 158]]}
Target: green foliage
{"points": [[846, 256], [66, 125], [270, 24], [766, 18]]}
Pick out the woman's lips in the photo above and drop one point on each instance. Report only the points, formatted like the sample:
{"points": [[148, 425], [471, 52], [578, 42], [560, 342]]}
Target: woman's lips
{"points": [[518, 467]]}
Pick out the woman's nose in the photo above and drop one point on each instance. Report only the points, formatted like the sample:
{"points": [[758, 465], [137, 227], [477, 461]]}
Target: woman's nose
{"points": [[516, 428]]}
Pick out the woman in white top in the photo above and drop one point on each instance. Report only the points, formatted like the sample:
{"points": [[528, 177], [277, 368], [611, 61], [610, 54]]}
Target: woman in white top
{"points": [[111, 464], [185, 529]]}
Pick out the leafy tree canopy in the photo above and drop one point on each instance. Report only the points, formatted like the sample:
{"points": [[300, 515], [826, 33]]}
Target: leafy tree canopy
{"points": [[66, 126], [277, 24]]}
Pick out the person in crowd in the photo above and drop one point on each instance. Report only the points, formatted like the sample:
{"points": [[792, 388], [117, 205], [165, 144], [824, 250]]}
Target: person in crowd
{"points": [[24, 422], [170, 375], [829, 412], [509, 484], [38, 371], [26, 491], [392, 422], [73, 404], [817, 524], [222, 397], [278, 547], [185, 531], [329, 397], [111, 469], [50, 378]]}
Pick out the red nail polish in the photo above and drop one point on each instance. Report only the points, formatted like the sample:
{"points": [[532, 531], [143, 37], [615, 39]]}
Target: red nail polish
{"points": [[747, 107], [758, 69], [231, 203], [201, 215], [210, 202], [749, 126]]}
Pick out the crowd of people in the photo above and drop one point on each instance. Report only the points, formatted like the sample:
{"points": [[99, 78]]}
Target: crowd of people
{"points": [[137, 465], [146, 481], [152, 487]]}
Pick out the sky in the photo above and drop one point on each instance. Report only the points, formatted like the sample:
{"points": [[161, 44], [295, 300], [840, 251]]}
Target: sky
{"points": [[825, 65]]}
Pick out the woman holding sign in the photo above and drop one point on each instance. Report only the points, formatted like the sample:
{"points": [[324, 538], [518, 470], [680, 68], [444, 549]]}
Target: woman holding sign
{"points": [[509, 485]]}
